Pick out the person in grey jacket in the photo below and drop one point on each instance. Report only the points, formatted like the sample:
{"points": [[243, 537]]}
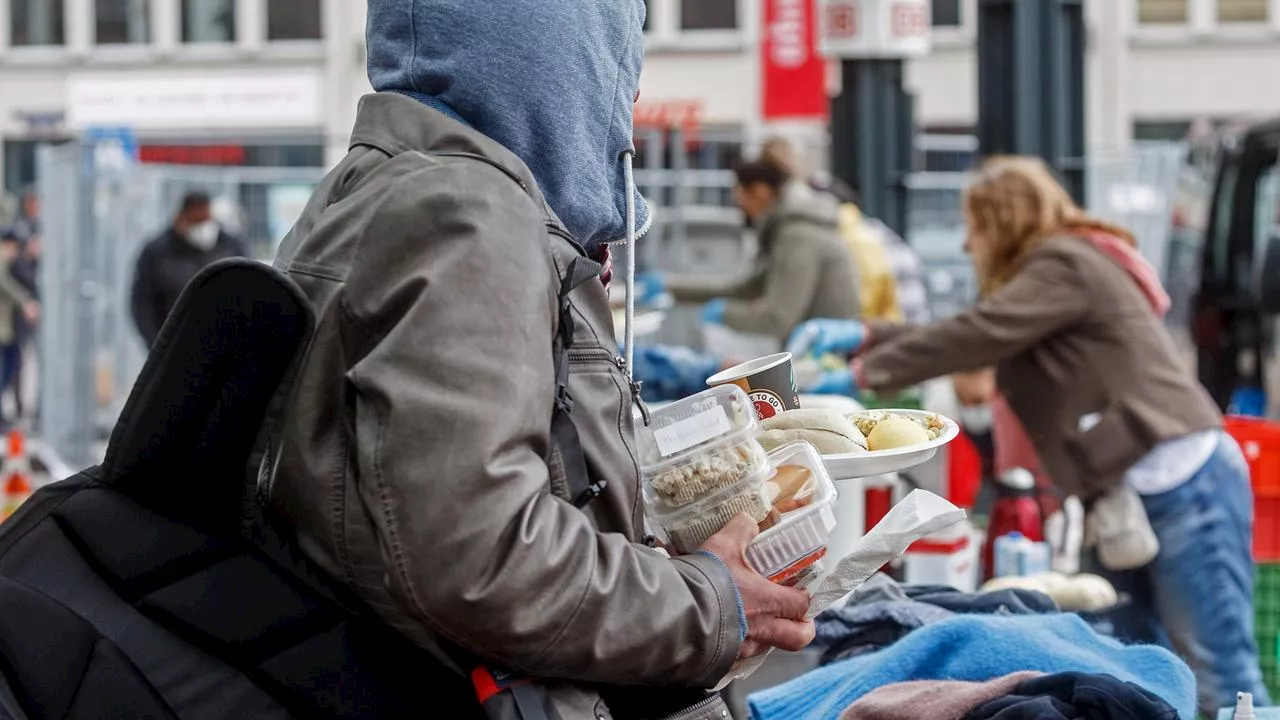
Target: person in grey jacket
{"points": [[418, 462], [804, 271]]}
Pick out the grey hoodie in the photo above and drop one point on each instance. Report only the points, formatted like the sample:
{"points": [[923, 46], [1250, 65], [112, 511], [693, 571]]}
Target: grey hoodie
{"points": [[554, 81]]}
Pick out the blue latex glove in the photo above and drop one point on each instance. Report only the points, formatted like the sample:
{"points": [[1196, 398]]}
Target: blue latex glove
{"points": [[713, 312], [650, 286], [819, 337], [671, 373], [834, 382]]}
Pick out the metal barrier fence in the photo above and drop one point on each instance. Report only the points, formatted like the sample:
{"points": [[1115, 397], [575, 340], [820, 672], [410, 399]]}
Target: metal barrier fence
{"points": [[99, 215], [96, 221]]}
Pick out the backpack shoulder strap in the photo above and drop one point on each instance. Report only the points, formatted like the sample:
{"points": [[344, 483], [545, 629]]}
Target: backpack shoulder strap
{"points": [[564, 433]]}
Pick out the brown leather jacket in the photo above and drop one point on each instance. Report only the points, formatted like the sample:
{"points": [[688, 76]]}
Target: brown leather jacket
{"points": [[414, 456], [1080, 356]]}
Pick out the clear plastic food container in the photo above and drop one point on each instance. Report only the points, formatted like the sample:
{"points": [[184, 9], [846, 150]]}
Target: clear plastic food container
{"points": [[689, 526], [698, 447], [804, 498]]}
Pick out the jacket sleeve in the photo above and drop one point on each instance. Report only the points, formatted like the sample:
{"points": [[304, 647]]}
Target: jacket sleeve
{"points": [[142, 297], [790, 282], [1042, 299], [700, 290], [453, 391]]}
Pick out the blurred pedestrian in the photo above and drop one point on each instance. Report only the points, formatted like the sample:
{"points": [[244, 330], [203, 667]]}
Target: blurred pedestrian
{"points": [[167, 263], [13, 296], [25, 269], [804, 269], [1071, 317]]}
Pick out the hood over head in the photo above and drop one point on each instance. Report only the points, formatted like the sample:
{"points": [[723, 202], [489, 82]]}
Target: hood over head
{"points": [[554, 81]]}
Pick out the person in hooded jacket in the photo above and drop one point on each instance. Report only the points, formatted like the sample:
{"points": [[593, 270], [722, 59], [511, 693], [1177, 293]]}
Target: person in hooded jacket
{"points": [[805, 270], [167, 263], [419, 462], [1071, 318]]}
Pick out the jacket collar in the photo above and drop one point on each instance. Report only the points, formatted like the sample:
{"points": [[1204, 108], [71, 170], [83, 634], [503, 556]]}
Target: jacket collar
{"points": [[395, 124]]}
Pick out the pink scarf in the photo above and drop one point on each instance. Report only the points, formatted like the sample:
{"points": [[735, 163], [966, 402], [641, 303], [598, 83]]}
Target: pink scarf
{"points": [[1013, 447]]}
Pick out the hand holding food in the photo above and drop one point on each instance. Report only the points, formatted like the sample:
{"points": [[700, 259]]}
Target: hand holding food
{"points": [[775, 614]]}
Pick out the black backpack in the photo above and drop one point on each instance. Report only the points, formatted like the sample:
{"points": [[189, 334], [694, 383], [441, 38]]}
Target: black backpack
{"points": [[153, 586]]}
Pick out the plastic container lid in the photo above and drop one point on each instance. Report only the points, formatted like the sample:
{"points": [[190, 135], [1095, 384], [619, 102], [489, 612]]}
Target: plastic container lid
{"points": [[701, 449], [682, 430], [802, 533]]}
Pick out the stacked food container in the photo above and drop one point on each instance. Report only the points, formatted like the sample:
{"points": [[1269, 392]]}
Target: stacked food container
{"points": [[703, 466]]}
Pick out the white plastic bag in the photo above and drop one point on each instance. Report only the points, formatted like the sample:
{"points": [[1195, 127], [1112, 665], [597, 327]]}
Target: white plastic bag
{"points": [[919, 514]]}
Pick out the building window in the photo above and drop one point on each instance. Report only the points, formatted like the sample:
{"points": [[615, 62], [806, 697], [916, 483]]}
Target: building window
{"points": [[1169, 130], [293, 19], [1162, 12], [208, 21], [35, 23], [1242, 11], [946, 13], [709, 15], [121, 22]]}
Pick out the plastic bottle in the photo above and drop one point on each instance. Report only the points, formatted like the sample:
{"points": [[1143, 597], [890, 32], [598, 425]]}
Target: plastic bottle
{"points": [[1015, 511], [1244, 707]]}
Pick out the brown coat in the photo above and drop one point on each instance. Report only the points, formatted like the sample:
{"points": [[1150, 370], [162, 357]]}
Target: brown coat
{"points": [[1080, 355]]}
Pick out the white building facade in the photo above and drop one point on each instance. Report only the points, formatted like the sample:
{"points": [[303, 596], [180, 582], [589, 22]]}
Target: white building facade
{"points": [[275, 82], [217, 82]]}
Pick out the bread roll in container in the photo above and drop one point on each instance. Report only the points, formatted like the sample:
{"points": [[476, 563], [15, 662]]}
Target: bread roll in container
{"points": [[791, 551], [702, 466]]}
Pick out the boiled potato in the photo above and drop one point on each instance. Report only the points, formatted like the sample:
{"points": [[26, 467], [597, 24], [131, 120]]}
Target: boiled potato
{"points": [[895, 432]]}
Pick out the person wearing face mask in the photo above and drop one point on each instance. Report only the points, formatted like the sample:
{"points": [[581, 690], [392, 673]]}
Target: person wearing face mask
{"points": [[459, 447], [805, 270], [167, 263]]}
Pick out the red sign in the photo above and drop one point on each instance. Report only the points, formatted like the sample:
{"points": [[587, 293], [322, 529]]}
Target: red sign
{"points": [[192, 154], [669, 115], [794, 72]]}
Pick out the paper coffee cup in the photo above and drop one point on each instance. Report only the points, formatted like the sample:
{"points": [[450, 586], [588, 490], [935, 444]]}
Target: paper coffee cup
{"points": [[769, 381]]}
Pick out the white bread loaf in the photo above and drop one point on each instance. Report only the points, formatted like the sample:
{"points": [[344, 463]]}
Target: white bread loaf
{"points": [[827, 430]]}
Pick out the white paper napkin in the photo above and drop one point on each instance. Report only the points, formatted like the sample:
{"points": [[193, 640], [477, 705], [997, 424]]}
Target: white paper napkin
{"points": [[919, 514]]}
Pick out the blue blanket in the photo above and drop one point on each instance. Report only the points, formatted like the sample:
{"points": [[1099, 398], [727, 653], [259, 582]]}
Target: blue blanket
{"points": [[976, 649]]}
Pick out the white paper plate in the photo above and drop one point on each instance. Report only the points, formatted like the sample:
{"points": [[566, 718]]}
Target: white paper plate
{"points": [[860, 465]]}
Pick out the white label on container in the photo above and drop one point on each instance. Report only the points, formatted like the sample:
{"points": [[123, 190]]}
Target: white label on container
{"points": [[682, 435]]}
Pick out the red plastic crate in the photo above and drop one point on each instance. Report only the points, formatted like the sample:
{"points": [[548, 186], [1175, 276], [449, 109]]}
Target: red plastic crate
{"points": [[1260, 441], [964, 471], [1266, 529]]}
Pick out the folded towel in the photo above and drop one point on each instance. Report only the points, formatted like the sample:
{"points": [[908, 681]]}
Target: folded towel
{"points": [[977, 649], [932, 699]]}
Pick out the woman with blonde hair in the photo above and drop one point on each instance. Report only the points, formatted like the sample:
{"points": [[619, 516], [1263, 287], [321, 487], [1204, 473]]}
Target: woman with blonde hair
{"points": [[1070, 317]]}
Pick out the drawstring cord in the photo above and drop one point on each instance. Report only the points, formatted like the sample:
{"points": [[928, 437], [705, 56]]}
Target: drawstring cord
{"points": [[629, 272]]}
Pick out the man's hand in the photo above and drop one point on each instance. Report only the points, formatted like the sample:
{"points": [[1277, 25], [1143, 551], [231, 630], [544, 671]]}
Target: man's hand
{"points": [[31, 310], [775, 614]]}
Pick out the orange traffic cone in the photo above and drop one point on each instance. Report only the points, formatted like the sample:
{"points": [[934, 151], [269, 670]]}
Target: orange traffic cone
{"points": [[17, 474]]}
